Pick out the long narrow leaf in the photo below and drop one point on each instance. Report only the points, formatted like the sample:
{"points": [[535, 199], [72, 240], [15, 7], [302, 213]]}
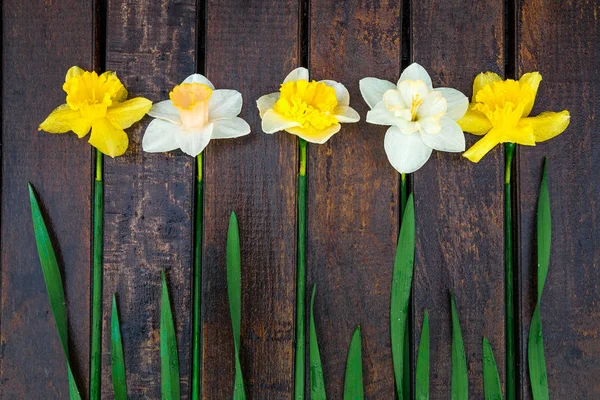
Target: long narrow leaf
{"points": [[317, 383], [117, 360], [169, 361], [535, 352], [491, 381], [401, 283], [422, 383], [353, 384], [234, 290], [54, 284], [460, 380]]}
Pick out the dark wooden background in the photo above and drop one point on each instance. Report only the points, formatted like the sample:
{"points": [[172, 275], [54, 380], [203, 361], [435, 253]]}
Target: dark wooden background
{"points": [[353, 210]]}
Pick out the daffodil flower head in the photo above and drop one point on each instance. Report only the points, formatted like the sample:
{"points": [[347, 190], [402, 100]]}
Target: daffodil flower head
{"points": [[500, 111], [97, 102], [195, 113], [421, 118], [310, 109]]}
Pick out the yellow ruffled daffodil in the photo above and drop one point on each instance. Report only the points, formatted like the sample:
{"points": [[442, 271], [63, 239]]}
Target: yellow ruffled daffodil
{"points": [[309, 109], [500, 111], [97, 102], [195, 113]]}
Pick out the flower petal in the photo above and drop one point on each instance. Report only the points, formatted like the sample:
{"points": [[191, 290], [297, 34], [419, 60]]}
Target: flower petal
{"points": [[273, 122], [458, 103], [483, 146], [341, 93], [313, 136], [380, 115], [434, 105], [161, 136], [406, 152], [372, 90], [483, 79], [73, 72], [267, 102], [230, 128], [194, 142], [63, 119], [532, 79], [475, 122], [128, 112], [224, 103], [165, 110], [451, 138], [198, 78], [298, 74], [416, 72], [345, 114], [549, 124], [108, 138]]}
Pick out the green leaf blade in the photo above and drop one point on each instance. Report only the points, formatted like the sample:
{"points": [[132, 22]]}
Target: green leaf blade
{"points": [[117, 359], [400, 296], [491, 381], [460, 380], [422, 374], [317, 383], [353, 383], [169, 361]]}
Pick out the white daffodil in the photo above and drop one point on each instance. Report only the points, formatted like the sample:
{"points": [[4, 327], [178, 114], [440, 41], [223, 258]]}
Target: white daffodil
{"points": [[421, 118], [311, 110], [195, 114]]}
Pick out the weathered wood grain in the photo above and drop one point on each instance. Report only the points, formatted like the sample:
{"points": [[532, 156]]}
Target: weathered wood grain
{"points": [[148, 197], [353, 195], [41, 40], [560, 39], [251, 46], [459, 205]]}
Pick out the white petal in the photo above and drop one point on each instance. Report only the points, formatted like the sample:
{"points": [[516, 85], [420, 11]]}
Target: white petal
{"points": [[346, 114], [341, 93], [165, 110], [380, 115], [230, 128], [451, 138], [224, 103], [406, 152], [194, 142], [160, 136], [429, 125], [273, 122], [372, 90], [324, 135], [458, 103], [415, 72], [297, 75], [267, 102], [411, 89], [197, 78], [434, 105]]}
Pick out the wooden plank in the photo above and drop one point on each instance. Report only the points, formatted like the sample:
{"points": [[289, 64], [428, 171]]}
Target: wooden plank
{"points": [[251, 46], [559, 39], [353, 195], [148, 197], [41, 40], [459, 205]]}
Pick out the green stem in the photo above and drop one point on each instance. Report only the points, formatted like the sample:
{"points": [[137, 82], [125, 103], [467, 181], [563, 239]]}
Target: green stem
{"points": [[301, 275], [96, 343], [197, 286], [509, 150], [406, 356]]}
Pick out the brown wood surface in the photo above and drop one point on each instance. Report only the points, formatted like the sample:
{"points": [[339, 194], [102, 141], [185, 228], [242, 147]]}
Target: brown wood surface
{"points": [[148, 197], [560, 39], [353, 195], [42, 40], [459, 205], [251, 47]]}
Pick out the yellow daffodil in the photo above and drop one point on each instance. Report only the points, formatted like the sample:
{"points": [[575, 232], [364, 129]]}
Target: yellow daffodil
{"points": [[500, 111], [97, 102], [310, 109]]}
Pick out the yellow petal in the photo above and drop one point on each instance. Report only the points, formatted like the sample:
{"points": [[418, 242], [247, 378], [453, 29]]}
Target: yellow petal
{"points": [[128, 112], [483, 146], [475, 122], [63, 119], [532, 79], [122, 93], [520, 134], [549, 124], [108, 138], [73, 72], [483, 79]]}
